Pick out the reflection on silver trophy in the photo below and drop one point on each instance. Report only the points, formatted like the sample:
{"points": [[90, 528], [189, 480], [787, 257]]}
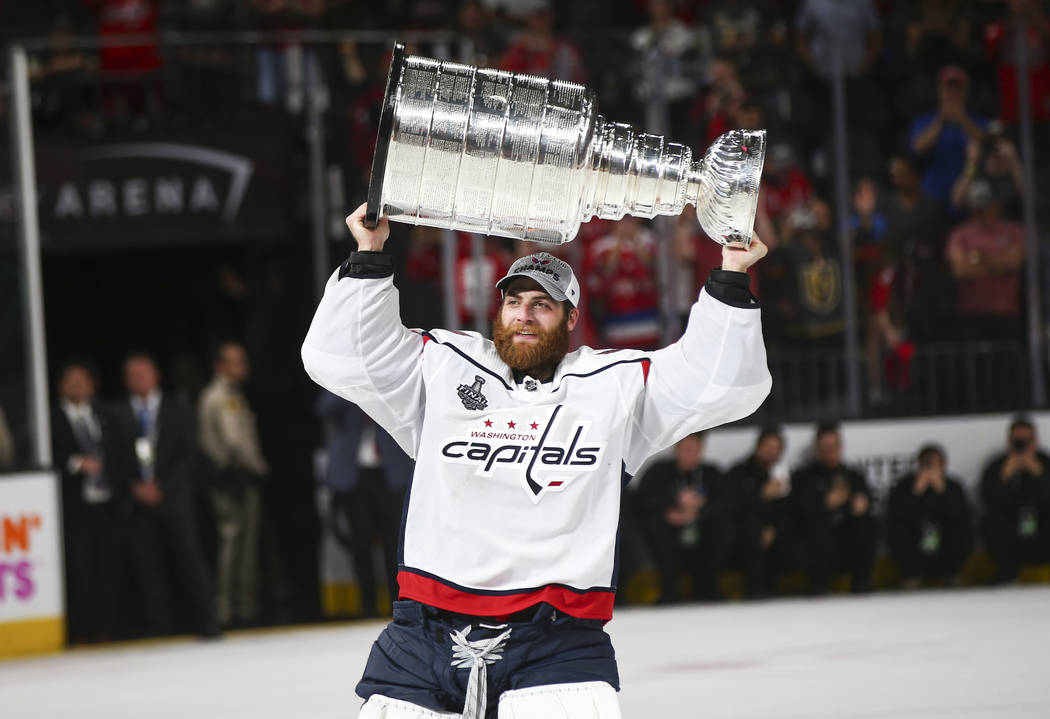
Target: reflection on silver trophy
{"points": [[502, 153]]}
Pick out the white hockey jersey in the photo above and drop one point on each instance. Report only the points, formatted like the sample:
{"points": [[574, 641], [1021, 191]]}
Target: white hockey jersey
{"points": [[516, 494]]}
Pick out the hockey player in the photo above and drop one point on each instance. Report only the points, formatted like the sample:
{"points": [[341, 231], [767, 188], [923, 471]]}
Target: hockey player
{"points": [[508, 558]]}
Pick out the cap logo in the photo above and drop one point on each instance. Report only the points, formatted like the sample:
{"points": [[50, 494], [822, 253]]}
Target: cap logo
{"points": [[544, 270]]}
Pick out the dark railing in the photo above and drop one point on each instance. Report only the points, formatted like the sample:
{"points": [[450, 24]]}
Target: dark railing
{"points": [[941, 378]]}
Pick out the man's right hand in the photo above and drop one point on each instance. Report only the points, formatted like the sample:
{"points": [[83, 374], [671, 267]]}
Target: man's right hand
{"points": [[772, 490], [767, 536], [147, 493], [690, 500], [836, 496], [90, 465], [922, 481], [1014, 463], [368, 240], [736, 258]]}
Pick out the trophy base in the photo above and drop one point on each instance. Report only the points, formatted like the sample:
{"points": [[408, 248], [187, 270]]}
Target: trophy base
{"points": [[386, 130]]}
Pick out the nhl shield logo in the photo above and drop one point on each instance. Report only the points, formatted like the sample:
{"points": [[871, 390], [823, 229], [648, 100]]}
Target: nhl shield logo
{"points": [[471, 394]]}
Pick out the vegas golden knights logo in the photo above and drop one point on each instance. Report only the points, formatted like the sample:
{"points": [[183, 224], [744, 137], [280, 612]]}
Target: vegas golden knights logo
{"points": [[471, 394], [821, 286]]}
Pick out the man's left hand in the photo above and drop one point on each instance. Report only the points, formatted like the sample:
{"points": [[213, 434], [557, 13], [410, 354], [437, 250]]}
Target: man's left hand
{"points": [[147, 493], [737, 258], [859, 505]]}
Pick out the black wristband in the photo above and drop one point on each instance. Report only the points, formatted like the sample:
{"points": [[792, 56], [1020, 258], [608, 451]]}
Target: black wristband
{"points": [[732, 288], [367, 264]]}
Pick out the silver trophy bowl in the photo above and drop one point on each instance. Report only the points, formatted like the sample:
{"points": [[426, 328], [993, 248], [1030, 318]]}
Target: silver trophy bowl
{"points": [[514, 155]]}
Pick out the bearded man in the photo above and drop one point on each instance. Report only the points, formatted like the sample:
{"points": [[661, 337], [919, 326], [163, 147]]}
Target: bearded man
{"points": [[507, 564]]}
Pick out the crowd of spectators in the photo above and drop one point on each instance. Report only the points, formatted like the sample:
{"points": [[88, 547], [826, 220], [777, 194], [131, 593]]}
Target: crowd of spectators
{"points": [[934, 163], [930, 85], [819, 521], [163, 503]]}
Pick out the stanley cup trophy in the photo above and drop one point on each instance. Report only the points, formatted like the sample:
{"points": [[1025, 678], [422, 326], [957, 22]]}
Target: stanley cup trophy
{"points": [[513, 155]]}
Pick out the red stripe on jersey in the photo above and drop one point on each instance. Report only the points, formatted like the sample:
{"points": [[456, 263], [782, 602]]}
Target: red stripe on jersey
{"points": [[426, 338], [645, 371], [587, 605]]}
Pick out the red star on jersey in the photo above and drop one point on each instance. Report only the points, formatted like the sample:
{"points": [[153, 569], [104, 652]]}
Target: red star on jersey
{"points": [[511, 425], [534, 425], [488, 422]]}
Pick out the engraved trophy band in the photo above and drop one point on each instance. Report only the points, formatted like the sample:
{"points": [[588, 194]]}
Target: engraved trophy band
{"points": [[514, 155]]}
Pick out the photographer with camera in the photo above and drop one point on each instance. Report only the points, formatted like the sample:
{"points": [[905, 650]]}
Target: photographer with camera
{"points": [[993, 159], [929, 522], [1015, 493], [832, 507], [940, 138]]}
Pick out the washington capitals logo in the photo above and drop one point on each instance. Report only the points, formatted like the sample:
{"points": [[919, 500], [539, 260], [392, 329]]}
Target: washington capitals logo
{"points": [[471, 394], [538, 263], [545, 464]]}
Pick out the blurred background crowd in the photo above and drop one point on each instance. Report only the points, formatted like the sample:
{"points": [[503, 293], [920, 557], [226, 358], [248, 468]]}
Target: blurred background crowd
{"points": [[911, 243]]}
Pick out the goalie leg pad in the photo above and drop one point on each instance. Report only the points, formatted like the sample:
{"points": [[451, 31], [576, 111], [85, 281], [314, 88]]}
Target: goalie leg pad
{"points": [[380, 707], [582, 700]]}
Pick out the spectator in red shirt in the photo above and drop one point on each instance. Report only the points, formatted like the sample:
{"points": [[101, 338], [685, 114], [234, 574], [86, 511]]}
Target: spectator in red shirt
{"points": [[621, 284], [876, 266], [986, 255], [476, 278], [915, 233], [719, 106], [784, 186], [538, 51], [122, 18], [139, 101], [695, 255], [1000, 42]]}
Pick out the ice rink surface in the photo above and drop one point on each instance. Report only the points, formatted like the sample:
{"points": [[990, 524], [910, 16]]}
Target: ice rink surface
{"points": [[962, 653]]}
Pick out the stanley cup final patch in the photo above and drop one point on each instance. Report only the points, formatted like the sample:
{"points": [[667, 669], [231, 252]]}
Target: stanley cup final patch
{"points": [[471, 394]]}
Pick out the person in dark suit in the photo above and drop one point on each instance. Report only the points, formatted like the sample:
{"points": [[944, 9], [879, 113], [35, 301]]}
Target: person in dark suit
{"points": [[929, 522], [7, 444], [368, 474], [163, 442], [92, 455], [767, 544], [1015, 497], [686, 515], [833, 513]]}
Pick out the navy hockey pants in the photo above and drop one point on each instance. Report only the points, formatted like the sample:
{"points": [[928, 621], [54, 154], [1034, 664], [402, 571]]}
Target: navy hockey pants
{"points": [[412, 659]]}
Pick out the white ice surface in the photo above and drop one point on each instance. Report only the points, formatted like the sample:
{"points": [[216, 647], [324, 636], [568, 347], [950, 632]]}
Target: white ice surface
{"points": [[963, 653]]}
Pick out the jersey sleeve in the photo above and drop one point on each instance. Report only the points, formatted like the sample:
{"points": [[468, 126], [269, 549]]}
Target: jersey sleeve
{"points": [[716, 373], [358, 348]]}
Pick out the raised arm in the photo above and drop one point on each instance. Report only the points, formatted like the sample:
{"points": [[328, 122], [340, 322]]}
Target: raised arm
{"points": [[357, 346], [716, 373], [923, 139]]}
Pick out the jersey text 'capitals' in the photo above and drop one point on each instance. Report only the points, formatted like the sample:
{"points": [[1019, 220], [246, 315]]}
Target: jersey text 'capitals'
{"points": [[545, 463]]}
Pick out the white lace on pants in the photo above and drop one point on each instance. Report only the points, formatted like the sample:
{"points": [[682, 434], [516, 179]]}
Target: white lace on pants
{"points": [[477, 655]]}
